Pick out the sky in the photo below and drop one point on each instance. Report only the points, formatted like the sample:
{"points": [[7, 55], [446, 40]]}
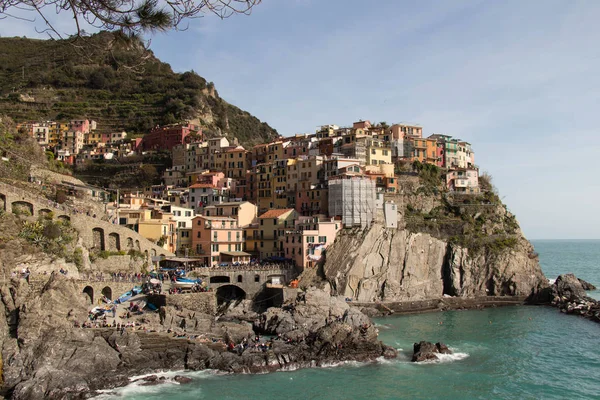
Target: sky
{"points": [[518, 79]]}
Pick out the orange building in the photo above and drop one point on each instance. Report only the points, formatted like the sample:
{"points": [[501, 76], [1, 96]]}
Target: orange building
{"points": [[218, 239]]}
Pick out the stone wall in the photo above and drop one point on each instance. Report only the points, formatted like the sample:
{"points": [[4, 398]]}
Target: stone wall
{"points": [[251, 281], [205, 302], [95, 233]]}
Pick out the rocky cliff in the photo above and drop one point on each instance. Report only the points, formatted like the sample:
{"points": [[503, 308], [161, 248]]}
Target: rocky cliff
{"points": [[392, 265], [467, 246], [46, 357]]}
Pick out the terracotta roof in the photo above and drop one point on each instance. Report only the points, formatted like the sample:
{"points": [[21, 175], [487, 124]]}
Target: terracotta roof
{"points": [[276, 213], [201, 185]]}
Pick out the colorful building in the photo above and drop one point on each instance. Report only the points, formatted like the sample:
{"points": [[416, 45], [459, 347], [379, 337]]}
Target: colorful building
{"points": [[217, 239], [272, 225], [305, 244]]}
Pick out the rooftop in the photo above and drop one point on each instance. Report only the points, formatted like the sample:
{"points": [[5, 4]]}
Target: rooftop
{"points": [[276, 213], [201, 185]]}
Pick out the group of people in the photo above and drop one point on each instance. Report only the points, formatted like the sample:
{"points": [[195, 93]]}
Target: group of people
{"points": [[257, 345]]}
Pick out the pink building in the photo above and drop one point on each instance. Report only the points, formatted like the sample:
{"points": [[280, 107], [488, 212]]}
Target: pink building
{"points": [[80, 125], [305, 244], [218, 239]]}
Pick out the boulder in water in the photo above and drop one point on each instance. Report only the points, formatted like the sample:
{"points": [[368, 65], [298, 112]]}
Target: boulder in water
{"points": [[424, 351], [182, 379], [586, 285], [568, 288]]}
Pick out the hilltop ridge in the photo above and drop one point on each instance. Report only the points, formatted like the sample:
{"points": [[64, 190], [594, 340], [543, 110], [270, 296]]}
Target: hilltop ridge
{"points": [[121, 85]]}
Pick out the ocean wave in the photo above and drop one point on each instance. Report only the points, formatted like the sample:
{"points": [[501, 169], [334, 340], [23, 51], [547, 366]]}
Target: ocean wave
{"points": [[382, 326], [137, 387]]}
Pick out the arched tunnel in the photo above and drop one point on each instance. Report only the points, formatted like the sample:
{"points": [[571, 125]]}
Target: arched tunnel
{"points": [[229, 293]]}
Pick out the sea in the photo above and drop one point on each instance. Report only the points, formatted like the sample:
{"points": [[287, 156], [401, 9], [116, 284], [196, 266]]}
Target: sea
{"points": [[518, 352]]}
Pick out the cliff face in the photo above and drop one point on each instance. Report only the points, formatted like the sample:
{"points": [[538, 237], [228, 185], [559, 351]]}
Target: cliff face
{"points": [[392, 265], [466, 246]]}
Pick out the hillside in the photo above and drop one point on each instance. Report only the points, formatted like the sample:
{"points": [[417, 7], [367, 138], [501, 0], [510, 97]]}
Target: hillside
{"points": [[121, 85]]}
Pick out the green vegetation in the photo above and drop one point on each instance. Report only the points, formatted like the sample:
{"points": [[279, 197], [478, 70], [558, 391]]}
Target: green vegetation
{"points": [[479, 222], [120, 85], [136, 254], [52, 237], [104, 254], [430, 177]]}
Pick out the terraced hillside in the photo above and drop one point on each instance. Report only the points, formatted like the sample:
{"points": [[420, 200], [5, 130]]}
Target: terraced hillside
{"points": [[121, 85]]}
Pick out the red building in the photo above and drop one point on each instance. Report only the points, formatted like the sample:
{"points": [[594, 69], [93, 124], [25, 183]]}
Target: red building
{"points": [[166, 137]]}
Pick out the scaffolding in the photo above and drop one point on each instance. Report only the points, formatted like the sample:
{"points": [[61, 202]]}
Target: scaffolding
{"points": [[352, 199]]}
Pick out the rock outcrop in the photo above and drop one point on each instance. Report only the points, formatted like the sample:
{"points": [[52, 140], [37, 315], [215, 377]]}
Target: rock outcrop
{"points": [[569, 296], [427, 351], [391, 265], [45, 356]]}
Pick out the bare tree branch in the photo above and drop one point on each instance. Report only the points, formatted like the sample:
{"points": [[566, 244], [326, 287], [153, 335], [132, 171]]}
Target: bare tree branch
{"points": [[130, 17]]}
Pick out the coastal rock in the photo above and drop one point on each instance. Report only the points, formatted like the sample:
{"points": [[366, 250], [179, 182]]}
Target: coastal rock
{"points": [[393, 265], [569, 296], [586, 285], [46, 357], [425, 351], [182, 379], [568, 288]]}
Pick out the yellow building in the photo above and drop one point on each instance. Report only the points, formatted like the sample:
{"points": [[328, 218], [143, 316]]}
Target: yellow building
{"points": [[378, 152], [56, 133], [243, 211], [252, 239], [272, 226], [264, 182], [278, 183]]}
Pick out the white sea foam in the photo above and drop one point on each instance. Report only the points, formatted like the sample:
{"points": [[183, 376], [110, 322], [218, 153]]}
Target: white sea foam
{"points": [[381, 326], [137, 387], [447, 358]]}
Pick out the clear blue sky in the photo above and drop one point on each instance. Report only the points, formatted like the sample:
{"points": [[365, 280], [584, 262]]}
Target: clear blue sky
{"points": [[518, 79]]}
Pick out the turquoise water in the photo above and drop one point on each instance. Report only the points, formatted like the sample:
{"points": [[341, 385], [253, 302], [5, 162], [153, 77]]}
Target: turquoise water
{"points": [[503, 353]]}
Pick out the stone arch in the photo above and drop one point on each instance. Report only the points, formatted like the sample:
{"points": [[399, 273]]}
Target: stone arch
{"points": [[98, 236], [107, 292], [137, 245], [3, 201], [227, 293], [220, 279], [64, 218], [44, 212], [22, 207], [240, 278], [130, 243], [162, 255], [114, 241], [146, 254], [89, 291], [153, 252]]}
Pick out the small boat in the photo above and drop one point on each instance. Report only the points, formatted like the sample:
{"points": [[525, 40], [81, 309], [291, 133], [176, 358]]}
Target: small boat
{"points": [[185, 283]]}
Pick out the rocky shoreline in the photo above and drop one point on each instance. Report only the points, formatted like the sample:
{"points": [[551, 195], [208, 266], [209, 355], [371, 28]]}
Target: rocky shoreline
{"points": [[568, 294], [45, 356]]}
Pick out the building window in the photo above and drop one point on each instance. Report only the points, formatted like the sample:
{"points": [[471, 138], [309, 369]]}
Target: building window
{"points": [[199, 233], [322, 239], [257, 278], [215, 247]]}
